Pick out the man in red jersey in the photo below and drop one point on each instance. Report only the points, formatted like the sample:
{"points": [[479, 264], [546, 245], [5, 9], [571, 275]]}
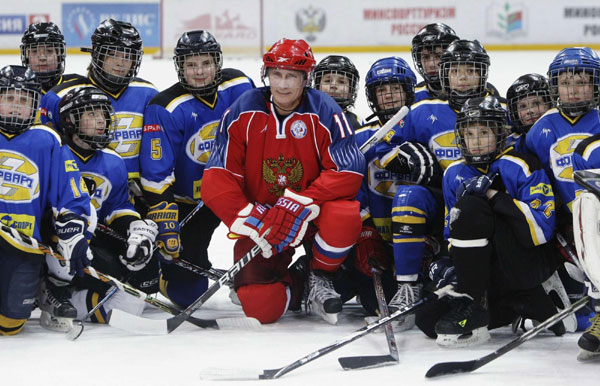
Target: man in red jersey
{"points": [[285, 157]]}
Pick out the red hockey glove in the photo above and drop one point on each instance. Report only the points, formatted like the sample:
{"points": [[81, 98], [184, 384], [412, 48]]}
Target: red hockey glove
{"points": [[288, 220], [370, 251]]}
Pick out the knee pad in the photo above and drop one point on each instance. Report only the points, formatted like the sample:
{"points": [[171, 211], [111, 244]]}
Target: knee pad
{"points": [[471, 218], [183, 292], [260, 270], [10, 326], [265, 302]]}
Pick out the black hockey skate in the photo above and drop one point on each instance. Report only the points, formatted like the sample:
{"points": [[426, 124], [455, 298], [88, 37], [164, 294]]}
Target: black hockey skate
{"points": [[589, 342], [322, 297], [56, 300], [465, 325]]}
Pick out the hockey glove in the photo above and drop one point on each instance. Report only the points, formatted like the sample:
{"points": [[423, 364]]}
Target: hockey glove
{"points": [[168, 241], [413, 160], [249, 223], [476, 186], [288, 220], [142, 234], [72, 244], [442, 272], [370, 251]]}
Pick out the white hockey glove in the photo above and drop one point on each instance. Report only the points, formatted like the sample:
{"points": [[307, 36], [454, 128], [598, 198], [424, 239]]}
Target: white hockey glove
{"points": [[142, 234], [249, 223], [72, 244]]}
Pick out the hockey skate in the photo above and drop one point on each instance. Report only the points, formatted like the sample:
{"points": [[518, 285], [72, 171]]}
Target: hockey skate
{"points": [[57, 310], [407, 294], [322, 297], [465, 325], [589, 342]]}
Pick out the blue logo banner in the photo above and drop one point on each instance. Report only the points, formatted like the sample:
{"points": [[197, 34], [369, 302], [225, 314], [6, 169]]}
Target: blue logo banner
{"points": [[12, 24], [79, 20]]}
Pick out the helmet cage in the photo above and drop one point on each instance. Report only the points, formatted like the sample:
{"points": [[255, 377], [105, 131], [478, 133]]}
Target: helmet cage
{"points": [[101, 53], [343, 67], [18, 84], [457, 97], [202, 91], [528, 86], [576, 108]]}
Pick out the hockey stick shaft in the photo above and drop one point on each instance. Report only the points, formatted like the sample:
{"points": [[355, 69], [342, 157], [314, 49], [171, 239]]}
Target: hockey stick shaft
{"points": [[362, 362], [385, 130], [446, 368], [277, 373], [177, 320], [574, 259]]}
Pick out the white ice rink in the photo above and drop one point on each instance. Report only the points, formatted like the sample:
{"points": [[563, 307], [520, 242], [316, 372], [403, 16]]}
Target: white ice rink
{"points": [[192, 356]]}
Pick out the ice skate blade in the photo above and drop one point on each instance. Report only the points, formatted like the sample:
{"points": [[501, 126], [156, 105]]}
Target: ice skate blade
{"points": [[476, 337]]}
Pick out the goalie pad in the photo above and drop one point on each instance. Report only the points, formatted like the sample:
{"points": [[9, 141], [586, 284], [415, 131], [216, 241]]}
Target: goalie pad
{"points": [[586, 229]]}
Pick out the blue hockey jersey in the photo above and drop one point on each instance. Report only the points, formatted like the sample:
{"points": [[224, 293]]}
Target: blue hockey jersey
{"points": [[179, 134], [38, 173], [526, 200], [129, 106], [553, 138]]}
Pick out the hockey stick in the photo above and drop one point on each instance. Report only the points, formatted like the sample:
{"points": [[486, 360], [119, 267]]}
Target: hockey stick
{"points": [[446, 368], [372, 361], [211, 273], [277, 373], [77, 327], [385, 130]]}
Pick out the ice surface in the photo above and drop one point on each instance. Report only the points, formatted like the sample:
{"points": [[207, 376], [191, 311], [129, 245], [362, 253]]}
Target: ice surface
{"points": [[192, 356]]}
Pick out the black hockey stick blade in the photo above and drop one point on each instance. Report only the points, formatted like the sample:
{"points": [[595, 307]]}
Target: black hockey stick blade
{"points": [[177, 320], [367, 362], [589, 179], [447, 368], [277, 373]]}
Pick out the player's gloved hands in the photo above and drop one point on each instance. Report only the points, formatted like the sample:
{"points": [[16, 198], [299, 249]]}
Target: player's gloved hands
{"points": [[370, 251], [442, 272], [142, 234], [72, 244], [288, 219], [249, 223], [476, 186], [165, 215], [412, 159]]}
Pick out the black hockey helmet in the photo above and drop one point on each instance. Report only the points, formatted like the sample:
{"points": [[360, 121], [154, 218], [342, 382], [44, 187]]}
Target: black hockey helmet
{"points": [[40, 37], [483, 112], [433, 37], [464, 52], [21, 82], [337, 64], [528, 85], [84, 99], [114, 38], [198, 42]]}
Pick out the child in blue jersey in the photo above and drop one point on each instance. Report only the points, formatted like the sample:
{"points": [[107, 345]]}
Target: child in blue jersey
{"points": [[337, 77], [116, 59], [499, 219], [37, 174], [417, 209], [179, 130], [528, 98], [87, 118]]}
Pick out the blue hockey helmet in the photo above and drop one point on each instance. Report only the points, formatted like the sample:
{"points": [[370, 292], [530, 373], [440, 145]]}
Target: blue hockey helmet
{"points": [[575, 61], [389, 72]]}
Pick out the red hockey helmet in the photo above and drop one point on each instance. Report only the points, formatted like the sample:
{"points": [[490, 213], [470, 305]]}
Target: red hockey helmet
{"points": [[290, 54]]}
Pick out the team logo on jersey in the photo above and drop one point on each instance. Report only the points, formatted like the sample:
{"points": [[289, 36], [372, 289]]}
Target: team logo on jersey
{"points": [[282, 173], [560, 155], [19, 177], [71, 166], [444, 146], [199, 145], [381, 181], [24, 223], [541, 188], [99, 188], [298, 129], [128, 134]]}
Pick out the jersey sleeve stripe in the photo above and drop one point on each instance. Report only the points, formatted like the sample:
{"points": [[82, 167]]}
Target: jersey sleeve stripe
{"points": [[536, 232]]}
